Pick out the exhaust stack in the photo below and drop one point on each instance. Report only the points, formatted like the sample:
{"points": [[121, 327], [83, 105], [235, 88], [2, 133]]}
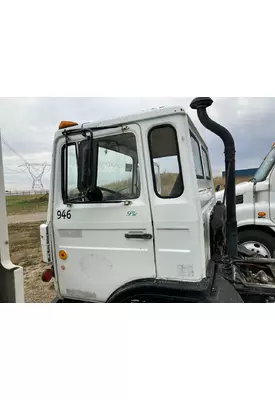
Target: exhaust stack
{"points": [[201, 104]]}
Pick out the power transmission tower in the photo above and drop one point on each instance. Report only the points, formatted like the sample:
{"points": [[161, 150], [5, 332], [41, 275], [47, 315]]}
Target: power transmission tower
{"points": [[36, 171]]}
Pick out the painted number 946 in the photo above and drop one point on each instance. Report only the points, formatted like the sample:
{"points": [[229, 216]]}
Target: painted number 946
{"points": [[64, 214]]}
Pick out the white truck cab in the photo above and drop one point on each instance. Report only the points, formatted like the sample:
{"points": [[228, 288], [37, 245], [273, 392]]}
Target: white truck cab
{"points": [[256, 208], [133, 216], [148, 216]]}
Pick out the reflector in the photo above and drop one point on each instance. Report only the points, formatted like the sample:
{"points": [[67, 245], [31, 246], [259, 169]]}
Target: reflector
{"points": [[62, 255], [261, 214], [47, 275]]}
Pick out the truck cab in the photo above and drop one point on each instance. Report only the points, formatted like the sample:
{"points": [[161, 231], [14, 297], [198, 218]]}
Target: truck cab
{"points": [[133, 215], [148, 215], [255, 202]]}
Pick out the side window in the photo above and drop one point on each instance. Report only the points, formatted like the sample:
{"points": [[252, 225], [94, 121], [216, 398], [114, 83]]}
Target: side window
{"points": [[72, 171], [164, 153], [206, 164], [197, 157]]}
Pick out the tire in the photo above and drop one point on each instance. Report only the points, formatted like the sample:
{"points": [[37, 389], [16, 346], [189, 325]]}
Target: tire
{"points": [[259, 241]]}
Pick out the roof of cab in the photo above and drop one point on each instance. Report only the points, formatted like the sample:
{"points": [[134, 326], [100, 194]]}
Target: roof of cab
{"points": [[127, 119], [141, 116]]}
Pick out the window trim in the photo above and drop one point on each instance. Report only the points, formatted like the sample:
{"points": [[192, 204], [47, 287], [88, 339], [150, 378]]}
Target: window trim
{"points": [[202, 166], [208, 164], [152, 160]]}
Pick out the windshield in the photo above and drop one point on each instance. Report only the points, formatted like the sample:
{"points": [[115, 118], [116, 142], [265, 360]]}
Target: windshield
{"points": [[265, 167]]}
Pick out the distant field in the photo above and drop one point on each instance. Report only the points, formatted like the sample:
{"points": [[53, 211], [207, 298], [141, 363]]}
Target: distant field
{"points": [[17, 205], [218, 180], [168, 180]]}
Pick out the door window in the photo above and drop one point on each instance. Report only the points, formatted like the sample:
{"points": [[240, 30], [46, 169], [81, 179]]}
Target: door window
{"points": [[165, 161], [117, 170], [72, 171]]}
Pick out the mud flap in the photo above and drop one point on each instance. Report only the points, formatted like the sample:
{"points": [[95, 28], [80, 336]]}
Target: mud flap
{"points": [[224, 292]]}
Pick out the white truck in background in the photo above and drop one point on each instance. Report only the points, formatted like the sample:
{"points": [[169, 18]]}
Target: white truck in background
{"points": [[116, 235], [255, 207], [11, 276]]}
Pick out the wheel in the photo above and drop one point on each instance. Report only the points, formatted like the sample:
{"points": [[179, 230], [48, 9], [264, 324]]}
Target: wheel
{"points": [[258, 241]]}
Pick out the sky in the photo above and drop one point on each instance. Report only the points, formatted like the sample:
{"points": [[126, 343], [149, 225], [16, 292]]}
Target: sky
{"points": [[29, 124]]}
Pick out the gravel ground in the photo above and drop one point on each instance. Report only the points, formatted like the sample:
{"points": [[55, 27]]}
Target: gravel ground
{"points": [[31, 217]]}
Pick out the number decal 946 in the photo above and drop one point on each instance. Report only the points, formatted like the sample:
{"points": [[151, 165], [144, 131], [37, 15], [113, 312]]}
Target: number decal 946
{"points": [[64, 214]]}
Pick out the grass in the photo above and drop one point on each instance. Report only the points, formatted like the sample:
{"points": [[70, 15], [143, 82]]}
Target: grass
{"points": [[167, 180], [167, 183], [17, 205], [25, 250], [118, 185]]}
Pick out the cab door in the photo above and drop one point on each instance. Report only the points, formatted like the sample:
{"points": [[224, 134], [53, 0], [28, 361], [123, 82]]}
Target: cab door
{"points": [[176, 209], [104, 243]]}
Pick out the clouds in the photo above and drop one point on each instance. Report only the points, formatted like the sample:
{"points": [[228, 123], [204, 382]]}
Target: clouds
{"points": [[251, 122], [29, 124]]}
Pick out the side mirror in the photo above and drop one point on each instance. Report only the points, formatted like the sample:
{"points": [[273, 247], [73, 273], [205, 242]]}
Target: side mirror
{"points": [[218, 188], [87, 165]]}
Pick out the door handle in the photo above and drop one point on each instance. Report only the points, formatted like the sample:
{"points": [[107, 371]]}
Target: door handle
{"points": [[144, 236]]}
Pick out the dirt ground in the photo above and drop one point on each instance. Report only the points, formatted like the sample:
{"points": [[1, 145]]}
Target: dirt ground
{"points": [[25, 251], [31, 217]]}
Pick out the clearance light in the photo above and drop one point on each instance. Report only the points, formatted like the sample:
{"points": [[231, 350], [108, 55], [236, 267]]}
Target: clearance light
{"points": [[261, 214], [63, 255], [67, 124]]}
